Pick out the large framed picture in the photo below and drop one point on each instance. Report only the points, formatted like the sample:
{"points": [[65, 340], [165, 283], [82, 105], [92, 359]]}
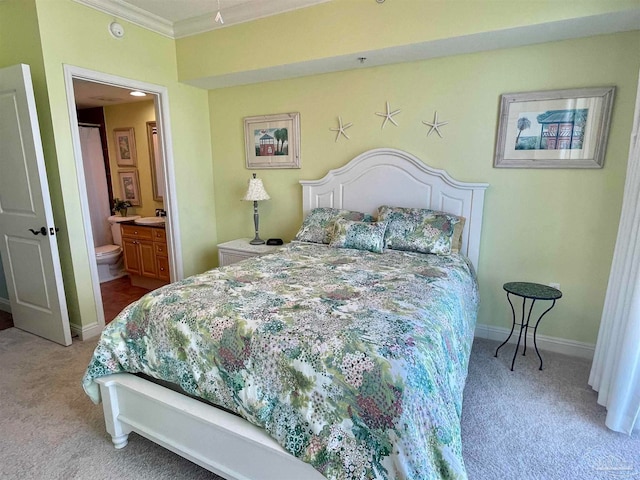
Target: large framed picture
{"points": [[130, 186], [554, 129], [125, 146], [272, 141]]}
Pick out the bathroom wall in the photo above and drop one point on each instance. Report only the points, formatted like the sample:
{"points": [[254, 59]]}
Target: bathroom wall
{"points": [[134, 115]]}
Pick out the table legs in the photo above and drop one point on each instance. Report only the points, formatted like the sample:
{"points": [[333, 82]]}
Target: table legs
{"points": [[524, 326], [513, 312], [535, 330]]}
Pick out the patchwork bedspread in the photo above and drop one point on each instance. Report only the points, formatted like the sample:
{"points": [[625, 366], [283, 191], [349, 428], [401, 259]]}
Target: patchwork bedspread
{"points": [[353, 361]]}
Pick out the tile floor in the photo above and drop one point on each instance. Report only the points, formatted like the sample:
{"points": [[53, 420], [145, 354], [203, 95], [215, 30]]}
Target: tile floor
{"points": [[117, 294]]}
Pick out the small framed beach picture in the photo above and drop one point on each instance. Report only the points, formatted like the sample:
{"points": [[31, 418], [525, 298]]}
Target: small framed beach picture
{"points": [[130, 186], [125, 145], [272, 141], [554, 129]]}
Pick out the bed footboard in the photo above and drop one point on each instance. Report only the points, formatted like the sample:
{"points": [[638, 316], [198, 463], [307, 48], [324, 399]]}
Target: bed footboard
{"points": [[216, 440]]}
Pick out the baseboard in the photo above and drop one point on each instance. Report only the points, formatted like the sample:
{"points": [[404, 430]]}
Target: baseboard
{"points": [[5, 306], [545, 342], [86, 332]]}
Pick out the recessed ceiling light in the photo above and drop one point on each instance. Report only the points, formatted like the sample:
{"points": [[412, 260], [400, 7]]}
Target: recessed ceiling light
{"points": [[137, 93]]}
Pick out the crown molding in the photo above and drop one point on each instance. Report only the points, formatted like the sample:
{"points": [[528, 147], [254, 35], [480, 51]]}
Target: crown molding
{"points": [[123, 10], [233, 15], [244, 12]]}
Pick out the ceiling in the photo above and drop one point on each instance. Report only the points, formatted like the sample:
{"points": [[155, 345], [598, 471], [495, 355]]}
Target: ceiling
{"points": [[181, 18], [91, 94]]}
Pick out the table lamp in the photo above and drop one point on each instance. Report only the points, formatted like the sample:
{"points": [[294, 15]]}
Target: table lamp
{"points": [[256, 193]]}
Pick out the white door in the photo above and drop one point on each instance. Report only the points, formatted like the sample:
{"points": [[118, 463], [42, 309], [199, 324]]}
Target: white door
{"points": [[27, 234]]}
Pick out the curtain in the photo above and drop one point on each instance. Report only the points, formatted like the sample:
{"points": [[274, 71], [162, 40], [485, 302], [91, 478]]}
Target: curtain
{"points": [[95, 176], [615, 373]]}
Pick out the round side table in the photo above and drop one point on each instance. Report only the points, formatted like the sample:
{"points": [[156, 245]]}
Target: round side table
{"points": [[533, 291]]}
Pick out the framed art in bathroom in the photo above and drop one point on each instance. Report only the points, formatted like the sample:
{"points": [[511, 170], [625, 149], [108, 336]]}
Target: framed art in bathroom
{"points": [[125, 143], [272, 141], [554, 129], [130, 186]]}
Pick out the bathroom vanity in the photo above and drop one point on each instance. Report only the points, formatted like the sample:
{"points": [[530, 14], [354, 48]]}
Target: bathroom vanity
{"points": [[145, 254]]}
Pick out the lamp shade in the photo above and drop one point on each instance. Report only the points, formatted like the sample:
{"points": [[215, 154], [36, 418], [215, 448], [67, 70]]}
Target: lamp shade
{"points": [[256, 191]]}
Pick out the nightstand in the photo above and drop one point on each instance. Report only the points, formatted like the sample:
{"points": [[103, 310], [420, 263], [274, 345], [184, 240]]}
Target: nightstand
{"points": [[240, 249], [532, 291]]}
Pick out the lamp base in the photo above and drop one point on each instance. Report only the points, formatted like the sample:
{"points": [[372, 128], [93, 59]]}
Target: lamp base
{"points": [[257, 241]]}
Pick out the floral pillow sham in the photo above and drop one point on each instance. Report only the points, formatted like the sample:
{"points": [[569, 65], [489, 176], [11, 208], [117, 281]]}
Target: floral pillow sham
{"points": [[319, 225], [359, 235], [418, 230]]}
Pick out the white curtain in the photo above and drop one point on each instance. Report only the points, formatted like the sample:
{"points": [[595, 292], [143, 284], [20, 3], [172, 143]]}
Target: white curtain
{"points": [[615, 373], [95, 176]]}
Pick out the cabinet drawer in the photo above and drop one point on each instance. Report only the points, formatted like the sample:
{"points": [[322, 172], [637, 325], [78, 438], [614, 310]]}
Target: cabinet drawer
{"points": [[160, 248], [159, 235], [229, 258], [135, 231], [163, 268]]}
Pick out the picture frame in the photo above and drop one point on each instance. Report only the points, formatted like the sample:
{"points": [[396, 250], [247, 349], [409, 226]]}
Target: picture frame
{"points": [[130, 186], [554, 129], [272, 141], [125, 146]]}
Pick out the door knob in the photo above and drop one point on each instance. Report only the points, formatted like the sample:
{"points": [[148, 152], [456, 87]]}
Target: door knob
{"points": [[42, 231]]}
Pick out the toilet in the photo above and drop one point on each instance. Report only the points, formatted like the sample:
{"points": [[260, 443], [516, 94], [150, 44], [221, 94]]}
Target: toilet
{"points": [[109, 257]]}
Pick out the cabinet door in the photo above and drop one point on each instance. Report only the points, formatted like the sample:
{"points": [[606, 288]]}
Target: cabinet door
{"points": [[148, 266], [131, 256]]}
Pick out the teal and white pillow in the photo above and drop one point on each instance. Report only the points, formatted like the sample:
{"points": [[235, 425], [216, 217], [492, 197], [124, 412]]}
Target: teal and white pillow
{"points": [[418, 229], [319, 225], [359, 235]]}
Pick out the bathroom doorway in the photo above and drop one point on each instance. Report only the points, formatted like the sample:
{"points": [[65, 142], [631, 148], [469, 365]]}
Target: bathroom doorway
{"points": [[115, 161]]}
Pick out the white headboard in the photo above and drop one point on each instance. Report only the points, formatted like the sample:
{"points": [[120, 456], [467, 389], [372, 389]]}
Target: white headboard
{"points": [[386, 176]]}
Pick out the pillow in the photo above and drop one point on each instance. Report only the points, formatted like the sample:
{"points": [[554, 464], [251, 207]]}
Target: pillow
{"points": [[418, 230], [359, 235], [456, 238], [319, 224]]}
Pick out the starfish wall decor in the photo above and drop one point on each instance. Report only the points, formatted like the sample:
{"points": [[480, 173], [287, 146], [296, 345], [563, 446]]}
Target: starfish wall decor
{"points": [[435, 125], [388, 116], [341, 129]]}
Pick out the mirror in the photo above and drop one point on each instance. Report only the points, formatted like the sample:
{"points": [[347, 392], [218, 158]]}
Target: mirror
{"points": [[157, 173]]}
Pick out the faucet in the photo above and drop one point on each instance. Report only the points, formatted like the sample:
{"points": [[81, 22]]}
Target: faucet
{"points": [[160, 212]]}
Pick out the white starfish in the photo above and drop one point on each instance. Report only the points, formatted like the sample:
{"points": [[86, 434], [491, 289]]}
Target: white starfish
{"points": [[388, 116], [341, 129], [435, 125]]}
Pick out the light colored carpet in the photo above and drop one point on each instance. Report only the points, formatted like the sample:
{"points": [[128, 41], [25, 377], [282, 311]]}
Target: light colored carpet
{"points": [[524, 424]]}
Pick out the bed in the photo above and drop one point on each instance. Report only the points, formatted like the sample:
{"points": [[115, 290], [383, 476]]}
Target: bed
{"points": [[339, 354]]}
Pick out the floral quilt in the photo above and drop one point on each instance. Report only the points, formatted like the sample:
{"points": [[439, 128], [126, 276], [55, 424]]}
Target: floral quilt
{"points": [[354, 361]]}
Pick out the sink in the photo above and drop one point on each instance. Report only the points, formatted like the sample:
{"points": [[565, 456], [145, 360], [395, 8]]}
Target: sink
{"points": [[150, 220]]}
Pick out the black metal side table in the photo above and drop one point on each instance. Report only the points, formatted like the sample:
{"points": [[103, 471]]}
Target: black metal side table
{"points": [[533, 291]]}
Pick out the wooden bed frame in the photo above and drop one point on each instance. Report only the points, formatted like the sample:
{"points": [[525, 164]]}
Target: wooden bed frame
{"points": [[229, 445]]}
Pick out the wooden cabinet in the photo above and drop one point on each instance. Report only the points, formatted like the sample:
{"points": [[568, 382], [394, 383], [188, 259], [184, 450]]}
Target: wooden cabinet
{"points": [[145, 255]]}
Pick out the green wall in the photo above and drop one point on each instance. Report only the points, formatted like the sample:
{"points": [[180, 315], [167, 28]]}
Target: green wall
{"points": [[539, 225], [351, 27], [77, 35]]}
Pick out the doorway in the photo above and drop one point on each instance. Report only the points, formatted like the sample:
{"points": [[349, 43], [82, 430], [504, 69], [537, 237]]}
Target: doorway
{"points": [[88, 89]]}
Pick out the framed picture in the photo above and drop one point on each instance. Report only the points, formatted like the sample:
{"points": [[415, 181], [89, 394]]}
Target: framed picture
{"points": [[130, 186], [125, 146], [272, 141], [554, 129]]}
